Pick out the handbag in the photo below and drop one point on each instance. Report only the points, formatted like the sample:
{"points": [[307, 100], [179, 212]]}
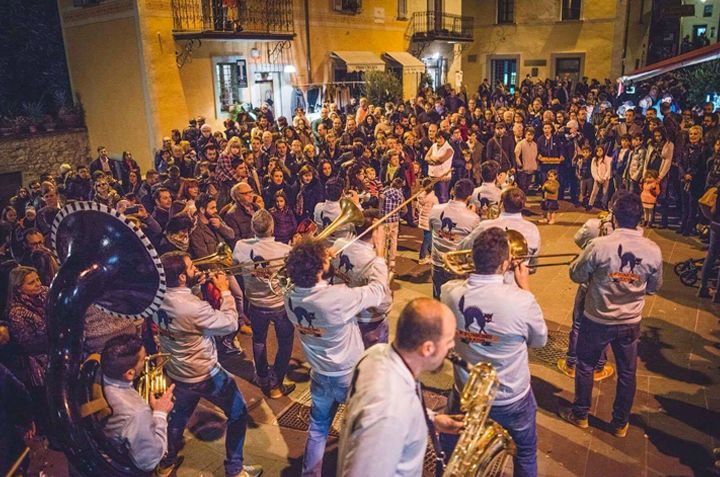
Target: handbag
{"points": [[707, 202]]}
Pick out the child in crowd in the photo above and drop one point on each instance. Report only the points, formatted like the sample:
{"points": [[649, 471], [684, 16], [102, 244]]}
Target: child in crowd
{"points": [[391, 197], [601, 170], [583, 173], [550, 189], [649, 195], [426, 200], [634, 169], [284, 218], [372, 184]]}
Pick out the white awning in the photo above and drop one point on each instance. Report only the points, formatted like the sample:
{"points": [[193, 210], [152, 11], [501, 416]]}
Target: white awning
{"points": [[360, 60], [408, 61]]}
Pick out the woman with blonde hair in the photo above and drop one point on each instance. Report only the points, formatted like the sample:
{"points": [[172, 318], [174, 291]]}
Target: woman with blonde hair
{"points": [[26, 300]]}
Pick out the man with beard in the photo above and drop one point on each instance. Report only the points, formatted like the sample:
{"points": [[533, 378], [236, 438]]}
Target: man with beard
{"points": [[187, 326], [496, 323], [329, 335], [386, 425]]}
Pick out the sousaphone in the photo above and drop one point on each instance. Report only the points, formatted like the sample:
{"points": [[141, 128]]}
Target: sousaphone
{"points": [[106, 260]]}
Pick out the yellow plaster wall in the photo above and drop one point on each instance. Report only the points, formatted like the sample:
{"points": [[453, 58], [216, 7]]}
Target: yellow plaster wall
{"points": [[538, 33], [167, 98], [104, 63]]}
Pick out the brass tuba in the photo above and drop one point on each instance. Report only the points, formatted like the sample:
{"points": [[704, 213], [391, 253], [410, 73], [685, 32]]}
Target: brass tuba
{"points": [[106, 260], [484, 446]]}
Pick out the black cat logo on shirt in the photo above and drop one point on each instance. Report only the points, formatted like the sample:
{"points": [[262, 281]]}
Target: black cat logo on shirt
{"points": [[308, 317], [261, 269], [449, 224], [628, 262], [473, 314]]}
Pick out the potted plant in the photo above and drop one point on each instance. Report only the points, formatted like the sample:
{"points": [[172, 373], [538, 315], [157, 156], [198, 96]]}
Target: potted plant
{"points": [[48, 123], [21, 124], [33, 111]]}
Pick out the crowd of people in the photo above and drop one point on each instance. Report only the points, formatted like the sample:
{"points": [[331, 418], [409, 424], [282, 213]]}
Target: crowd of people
{"points": [[459, 168]]}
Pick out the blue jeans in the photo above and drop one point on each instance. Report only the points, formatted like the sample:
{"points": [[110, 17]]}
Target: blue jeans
{"points": [[518, 419], [222, 391], [442, 191], [440, 276], [710, 258], [260, 318], [577, 315], [327, 392], [426, 244], [593, 339], [374, 332]]}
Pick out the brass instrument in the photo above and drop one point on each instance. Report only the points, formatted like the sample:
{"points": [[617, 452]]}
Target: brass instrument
{"points": [[460, 262], [152, 382], [484, 447], [222, 257]]}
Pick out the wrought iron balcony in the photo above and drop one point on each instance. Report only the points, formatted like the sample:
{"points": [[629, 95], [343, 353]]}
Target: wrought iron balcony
{"points": [[248, 19], [429, 26]]}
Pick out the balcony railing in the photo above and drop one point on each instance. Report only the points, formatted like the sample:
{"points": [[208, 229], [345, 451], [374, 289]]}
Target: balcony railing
{"points": [[428, 26], [250, 19]]}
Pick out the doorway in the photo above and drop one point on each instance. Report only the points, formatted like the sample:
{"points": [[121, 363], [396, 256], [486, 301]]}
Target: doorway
{"points": [[504, 70]]}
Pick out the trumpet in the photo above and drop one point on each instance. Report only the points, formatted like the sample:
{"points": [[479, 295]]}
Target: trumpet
{"points": [[152, 381], [460, 262], [222, 261]]}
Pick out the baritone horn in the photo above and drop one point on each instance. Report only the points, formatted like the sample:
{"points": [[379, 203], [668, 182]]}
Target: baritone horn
{"points": [[152, 382], [460, 262]]}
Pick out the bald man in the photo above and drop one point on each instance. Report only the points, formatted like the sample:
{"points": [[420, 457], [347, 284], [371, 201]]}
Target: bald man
{"points": [[386, 424]]}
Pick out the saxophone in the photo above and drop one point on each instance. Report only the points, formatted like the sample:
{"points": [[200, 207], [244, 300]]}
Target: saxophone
{"points": [[484, 446]]}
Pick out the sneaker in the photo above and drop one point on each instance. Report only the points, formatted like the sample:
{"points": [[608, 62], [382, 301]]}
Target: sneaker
{"points": [[543, 221], [165, 470], [567, 370], [621, 431], [250, 471], [604, 373], [567, 414], [425, 261], [551, 221], [245, 330], [230, 346], [281, 390]]}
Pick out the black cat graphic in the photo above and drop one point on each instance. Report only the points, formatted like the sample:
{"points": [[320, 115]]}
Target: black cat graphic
{"points": [[302, 314], [484, 201], [345, 262], [473, 313], [325, 220], [258, 258], [446, 222], [629, 259]]}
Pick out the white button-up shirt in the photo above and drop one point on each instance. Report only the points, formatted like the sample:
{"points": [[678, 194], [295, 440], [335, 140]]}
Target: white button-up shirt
{"points": [[133, 426], [384, 433], [257, 281]]}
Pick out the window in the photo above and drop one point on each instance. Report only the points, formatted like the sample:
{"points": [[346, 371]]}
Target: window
{"points": [[504, 71], [230, 78], [569, 67], [402, 10], [506, 11], [347, 6], [571, 9]]}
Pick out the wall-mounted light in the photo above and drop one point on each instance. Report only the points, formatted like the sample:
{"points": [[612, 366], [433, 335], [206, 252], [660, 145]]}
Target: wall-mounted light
{"points": [[289, 69], [255, 53]]}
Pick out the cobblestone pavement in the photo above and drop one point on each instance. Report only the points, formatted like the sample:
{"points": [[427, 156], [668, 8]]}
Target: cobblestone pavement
{"points": [[676, 415]]}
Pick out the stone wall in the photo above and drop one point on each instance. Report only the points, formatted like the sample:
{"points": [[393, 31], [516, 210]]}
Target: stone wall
{"points": [[33, 155]]}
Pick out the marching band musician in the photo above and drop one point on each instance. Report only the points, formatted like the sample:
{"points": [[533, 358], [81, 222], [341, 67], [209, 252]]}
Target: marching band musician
{"points": [[360, 265], [619, 269], [134, 425], [386, 424], [592, 228], [450, 223], [186, 327], [265, 306], [324, 315], [326, 212], [513, 202], [488, 193], [496, 323]]}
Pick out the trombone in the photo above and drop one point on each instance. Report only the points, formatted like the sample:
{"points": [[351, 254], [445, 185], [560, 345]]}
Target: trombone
{"points": [[460, 262], [222, 261]]}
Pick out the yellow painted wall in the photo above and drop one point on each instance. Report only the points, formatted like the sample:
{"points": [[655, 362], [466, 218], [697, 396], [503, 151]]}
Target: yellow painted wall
{"points": [[167, 100], [538, 33], [104, 64]]}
